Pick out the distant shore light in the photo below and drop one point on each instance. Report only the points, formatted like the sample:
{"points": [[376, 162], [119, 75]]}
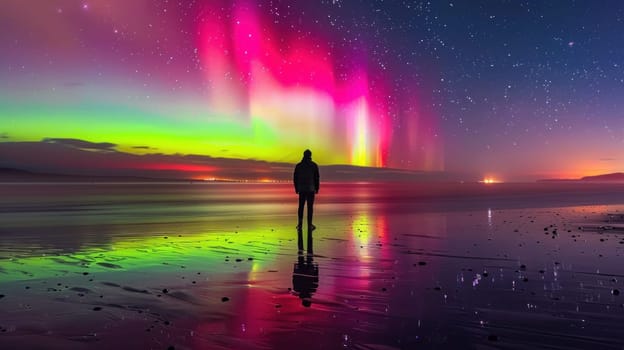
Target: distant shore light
{"points": [[489, 180]]}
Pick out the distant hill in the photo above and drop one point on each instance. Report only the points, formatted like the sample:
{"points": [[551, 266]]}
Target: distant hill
{"points": [[19, 175], [613, 177], [338, 173], [618, 177]]}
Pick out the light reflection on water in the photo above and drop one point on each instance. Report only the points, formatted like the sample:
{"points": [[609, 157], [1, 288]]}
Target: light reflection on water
{"points": [[396, 266]]}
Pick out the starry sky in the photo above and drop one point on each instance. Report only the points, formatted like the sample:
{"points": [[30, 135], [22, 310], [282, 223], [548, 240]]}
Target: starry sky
{"points": [[514, 90]]}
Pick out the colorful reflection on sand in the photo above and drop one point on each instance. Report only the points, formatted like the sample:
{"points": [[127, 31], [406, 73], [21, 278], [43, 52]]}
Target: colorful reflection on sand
{"points": [[222, 266]]}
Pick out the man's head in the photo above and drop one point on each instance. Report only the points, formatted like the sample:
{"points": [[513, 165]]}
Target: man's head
{"points": [[307, 154]]}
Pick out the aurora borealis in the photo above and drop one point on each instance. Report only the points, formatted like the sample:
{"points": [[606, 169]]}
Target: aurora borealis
{"points": [[514, 90]]}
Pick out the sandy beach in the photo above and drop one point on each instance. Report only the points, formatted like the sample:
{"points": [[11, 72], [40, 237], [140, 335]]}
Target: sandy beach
{"points": [[218, 266]]}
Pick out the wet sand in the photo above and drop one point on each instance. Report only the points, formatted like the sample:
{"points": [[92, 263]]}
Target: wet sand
{"points": [[218, 266]]}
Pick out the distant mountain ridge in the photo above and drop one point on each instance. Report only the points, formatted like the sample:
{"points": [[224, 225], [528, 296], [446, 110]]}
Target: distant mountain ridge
{"points": [[19, 175], [328, 173], [60, 160], [612, 177], [605, 177]]}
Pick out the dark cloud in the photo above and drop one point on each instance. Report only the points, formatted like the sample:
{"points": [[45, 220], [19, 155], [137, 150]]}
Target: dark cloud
{"points": [[607, 159], [83, 145], [143, 147], [4, 135]]}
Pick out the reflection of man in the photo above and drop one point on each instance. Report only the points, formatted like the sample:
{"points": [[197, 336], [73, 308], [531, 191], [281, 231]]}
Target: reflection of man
{"points": [[306, 180], [305, 279]]}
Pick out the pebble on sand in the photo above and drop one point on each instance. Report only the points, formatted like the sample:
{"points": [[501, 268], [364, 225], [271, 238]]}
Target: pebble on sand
{"points": [[224, 299], [615, 292]]}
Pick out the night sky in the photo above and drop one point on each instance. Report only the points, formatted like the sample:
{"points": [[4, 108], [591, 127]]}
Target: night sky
{"points": [[515, 90]]}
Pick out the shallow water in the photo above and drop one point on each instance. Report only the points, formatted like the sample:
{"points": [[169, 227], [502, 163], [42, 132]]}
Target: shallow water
{"points": [[394, 266]]}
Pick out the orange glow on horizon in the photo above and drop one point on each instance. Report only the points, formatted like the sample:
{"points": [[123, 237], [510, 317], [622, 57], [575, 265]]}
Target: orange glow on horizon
{"points": [[224, 179], [176, 167], [489, 180], [577, 174]]}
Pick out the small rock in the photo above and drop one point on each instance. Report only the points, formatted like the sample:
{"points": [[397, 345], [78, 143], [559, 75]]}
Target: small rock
{"points": [[97, 308], [615, 292], [165, 291], [422, 263], [224, 299], [493, 337]]}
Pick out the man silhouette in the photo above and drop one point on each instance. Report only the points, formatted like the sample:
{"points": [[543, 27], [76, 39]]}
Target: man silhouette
{"points": [[306, 180]]}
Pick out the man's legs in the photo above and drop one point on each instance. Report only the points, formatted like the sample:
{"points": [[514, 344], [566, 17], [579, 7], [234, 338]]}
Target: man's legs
{"points": [[310, 209], [302, 199]]}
